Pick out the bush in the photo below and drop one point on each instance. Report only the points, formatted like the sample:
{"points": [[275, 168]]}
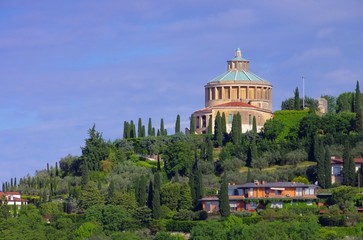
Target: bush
{"points": [[243, 214], [168, 236], [200, 215], [184, 215], [180, 226]]}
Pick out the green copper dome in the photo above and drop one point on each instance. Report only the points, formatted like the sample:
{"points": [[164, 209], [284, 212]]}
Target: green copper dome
{"points": [[238, 70]]}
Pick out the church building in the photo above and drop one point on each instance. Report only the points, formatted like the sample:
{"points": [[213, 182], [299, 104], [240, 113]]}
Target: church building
{"points": [[236, 90]]}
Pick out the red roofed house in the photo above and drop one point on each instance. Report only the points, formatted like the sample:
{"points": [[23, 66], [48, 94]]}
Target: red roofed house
{"points": [[13, 198], [237, 90], [337, 168]]}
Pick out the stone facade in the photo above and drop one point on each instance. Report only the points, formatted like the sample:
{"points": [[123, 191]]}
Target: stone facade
{"points": [[236, 90]]}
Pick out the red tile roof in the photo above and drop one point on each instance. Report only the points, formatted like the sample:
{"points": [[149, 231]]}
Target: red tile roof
{"points": [[335, 160], [235, 104]]}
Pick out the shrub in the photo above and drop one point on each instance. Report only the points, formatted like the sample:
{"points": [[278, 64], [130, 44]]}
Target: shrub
{"points": [[184, 215], [180, 226]]}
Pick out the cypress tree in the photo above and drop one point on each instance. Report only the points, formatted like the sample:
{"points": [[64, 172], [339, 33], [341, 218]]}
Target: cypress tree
{"points": [[139, 128], [162, 130], [56, 169], [358, 109], [248, 178], [296, 99], [224, 123], [150, 195], [348, 166], [153, 132], [239, 125], [209, 150], [224, 207], [320, 165], [143, 131], [192, 125], [126, 130], [254, 125], [156, 196], [150, 128], [210, 126], [110, 190], [196, 185], [185, 198], [218, 136], [132, 129], [177, 124], [142, 191], [252, 153], [327, 168]]}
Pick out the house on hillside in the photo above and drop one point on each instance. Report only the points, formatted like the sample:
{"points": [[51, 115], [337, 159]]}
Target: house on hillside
{"points": [[337, 168], [12, 198], [250, 196]]}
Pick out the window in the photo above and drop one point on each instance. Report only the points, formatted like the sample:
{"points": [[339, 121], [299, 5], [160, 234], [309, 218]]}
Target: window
{"points": [[253, 205], [277, 204], [278, 192], [337, 171], [233, 205], [309, 191], [251, 192], [230, 118], [298, 192]]}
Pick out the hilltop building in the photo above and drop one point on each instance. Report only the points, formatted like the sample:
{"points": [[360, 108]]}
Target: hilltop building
{"points": [[236, 90]]}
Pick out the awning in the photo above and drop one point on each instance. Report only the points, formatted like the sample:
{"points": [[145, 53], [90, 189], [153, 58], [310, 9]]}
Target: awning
{"points": [[277, 188]]}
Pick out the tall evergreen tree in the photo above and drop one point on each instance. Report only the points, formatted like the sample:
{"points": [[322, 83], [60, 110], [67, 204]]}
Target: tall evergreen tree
{"points": [[162, 129], [196, 185], [348, 166], [177, 124], [150, 128], [192, 125], [236, 131], [254, 125], [248, 177], [358, 109], [185, 198], [210, 126], [126, 134], [218, 135], [132, 129], [140, 191], [224, 207], [224, 124], [321, 164], [150, 195], [143, 131], [156, 196], [209, 151], [327, 168], [252, 153], [139, 128], [110, 191], [296, 99]]}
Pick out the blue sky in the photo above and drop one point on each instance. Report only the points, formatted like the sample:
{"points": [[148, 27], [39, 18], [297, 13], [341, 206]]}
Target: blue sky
{"points": [[66, 65]]}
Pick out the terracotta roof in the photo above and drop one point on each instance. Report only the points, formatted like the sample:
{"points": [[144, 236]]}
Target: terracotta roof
{"points": [[335, 160], [236, 104]]}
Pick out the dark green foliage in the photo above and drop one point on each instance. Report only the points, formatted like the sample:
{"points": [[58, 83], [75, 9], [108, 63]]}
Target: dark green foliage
{"points": [[327, 166], [252, 153], [177, 158], [126, 133], [196, 185], [177, 124], [332, 103], [150, 128], [209, 150], [181, 226], [236, 131], [348, 166], [170, 195], [345, 102], [297, 99], [254, 125], [85, 174], [208, 231], [95, 150], [140, 190], [224, 208], [224, 124], [358, 109], [210, 126], [132, 130], [319, 154], [218, 134], [162, 129], [139, 128], [156, 196], [90, 196], [186, 201], [192, 125]]}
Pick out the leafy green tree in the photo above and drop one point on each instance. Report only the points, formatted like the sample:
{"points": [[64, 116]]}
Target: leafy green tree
{"points": [[209, 230], [358, 109], [177, 158], [124, 199], [296, 99], [170, 195], [272, 128], [345, 102], [86, 230], [185, 198], [90, 196], [4, 208], [224, 207], [177, 124], [218, 134], [332, 103], [192, 125]]}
